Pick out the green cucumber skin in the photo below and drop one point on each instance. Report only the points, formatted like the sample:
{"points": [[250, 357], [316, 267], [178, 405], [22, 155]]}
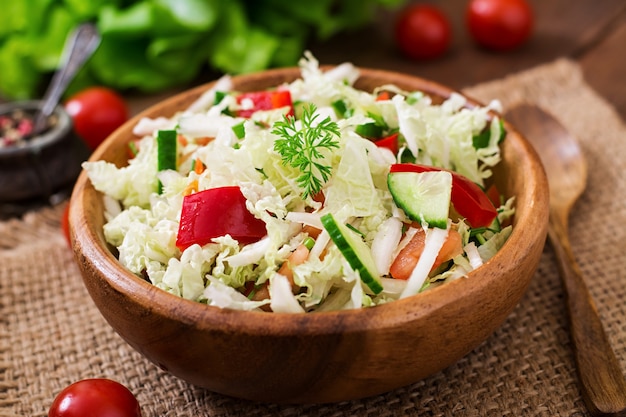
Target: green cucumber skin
{"points": [[166, 149], [166, 152], [405, 196], [346, 246]]}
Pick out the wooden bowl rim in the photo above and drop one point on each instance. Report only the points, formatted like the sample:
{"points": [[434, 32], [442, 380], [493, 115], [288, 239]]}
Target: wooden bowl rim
{"points": [[89, 244]]}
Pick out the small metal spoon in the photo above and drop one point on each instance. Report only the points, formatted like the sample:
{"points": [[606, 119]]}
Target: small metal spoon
{"points": [[602, 382], [79, 46]]}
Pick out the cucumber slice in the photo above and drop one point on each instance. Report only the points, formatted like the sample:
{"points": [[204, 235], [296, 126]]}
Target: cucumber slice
{"points": [[424, 196], [166, 152], [356, 252], [166, 149]]}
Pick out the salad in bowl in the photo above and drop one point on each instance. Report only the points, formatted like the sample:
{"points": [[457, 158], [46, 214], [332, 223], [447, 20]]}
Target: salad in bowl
{"points": [[311, 196]]}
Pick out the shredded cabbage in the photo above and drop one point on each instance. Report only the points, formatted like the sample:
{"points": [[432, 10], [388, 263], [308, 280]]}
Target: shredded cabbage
{"points": [[143, 206]]}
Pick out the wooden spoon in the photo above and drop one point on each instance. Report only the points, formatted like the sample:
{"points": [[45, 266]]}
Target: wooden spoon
{"points": [[603, 385]]}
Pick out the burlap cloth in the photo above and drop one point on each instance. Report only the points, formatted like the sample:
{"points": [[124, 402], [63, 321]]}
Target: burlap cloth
{"points": [[51, 335]]}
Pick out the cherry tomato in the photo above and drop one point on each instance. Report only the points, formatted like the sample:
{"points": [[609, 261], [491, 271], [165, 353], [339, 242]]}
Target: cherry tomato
{"points": [[423, 31], [96, 398], [65, 224], [96, 112], [499, 25]]}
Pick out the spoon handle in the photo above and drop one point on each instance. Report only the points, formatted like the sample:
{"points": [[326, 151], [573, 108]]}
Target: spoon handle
{"points": [[78, 48], [602, 383]]}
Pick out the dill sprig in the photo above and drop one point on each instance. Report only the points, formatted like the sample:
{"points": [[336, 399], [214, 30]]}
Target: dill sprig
{"points": [[303, 148]]}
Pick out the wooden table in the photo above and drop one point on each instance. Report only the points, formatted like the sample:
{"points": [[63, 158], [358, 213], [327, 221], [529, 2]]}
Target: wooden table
{"points": [[591, 32]]}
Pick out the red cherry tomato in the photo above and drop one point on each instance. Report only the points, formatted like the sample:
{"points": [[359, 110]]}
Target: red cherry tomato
{"points": [[422, 31], [65, 224], [97, 398], [500, 25], [96, 112]]}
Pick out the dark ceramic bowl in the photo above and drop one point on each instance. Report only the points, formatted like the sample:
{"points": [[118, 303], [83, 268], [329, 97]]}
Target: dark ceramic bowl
{"points": [[43, 168]]}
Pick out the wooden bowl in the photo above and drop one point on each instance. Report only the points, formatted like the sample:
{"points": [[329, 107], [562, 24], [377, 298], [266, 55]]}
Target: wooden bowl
{"points": [[317, 357]]}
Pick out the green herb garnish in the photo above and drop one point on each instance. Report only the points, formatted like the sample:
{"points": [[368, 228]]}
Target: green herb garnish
{"points": [[304, 148]]}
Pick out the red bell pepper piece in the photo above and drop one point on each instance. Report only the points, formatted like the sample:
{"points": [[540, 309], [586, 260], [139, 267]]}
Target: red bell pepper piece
{"points": [[265, 100], [217, 212], [390, 142], [468, 199]]}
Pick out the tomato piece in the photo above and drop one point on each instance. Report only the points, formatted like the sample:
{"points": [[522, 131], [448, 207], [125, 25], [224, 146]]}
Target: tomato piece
{"points": [[96, 113], [468, 199], [423, 31], [500, 25], [319, 197], [494, 195], [312, 231], [390, 142], [405, 262], [96, 397], [383, 96], [407, 258], [297, 257], [264, 100], [217, 212]]}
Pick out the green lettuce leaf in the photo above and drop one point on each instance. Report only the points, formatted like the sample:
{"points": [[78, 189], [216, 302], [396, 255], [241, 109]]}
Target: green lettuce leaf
{"points": [[152, 45]]}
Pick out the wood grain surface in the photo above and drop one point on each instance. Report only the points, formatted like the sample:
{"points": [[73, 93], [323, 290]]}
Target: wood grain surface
{"points": [[591, 32]]}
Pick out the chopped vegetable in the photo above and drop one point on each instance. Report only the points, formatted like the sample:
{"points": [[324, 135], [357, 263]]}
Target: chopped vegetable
{"points": [[264, 100], [166, 145], [166, 148], [469, 200], [356, 252], [404, 264], [424, 196], [297, 257], [390, 142], [300, 213], [217, 212], [433, 243], [482, 139], [369, 130]]}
